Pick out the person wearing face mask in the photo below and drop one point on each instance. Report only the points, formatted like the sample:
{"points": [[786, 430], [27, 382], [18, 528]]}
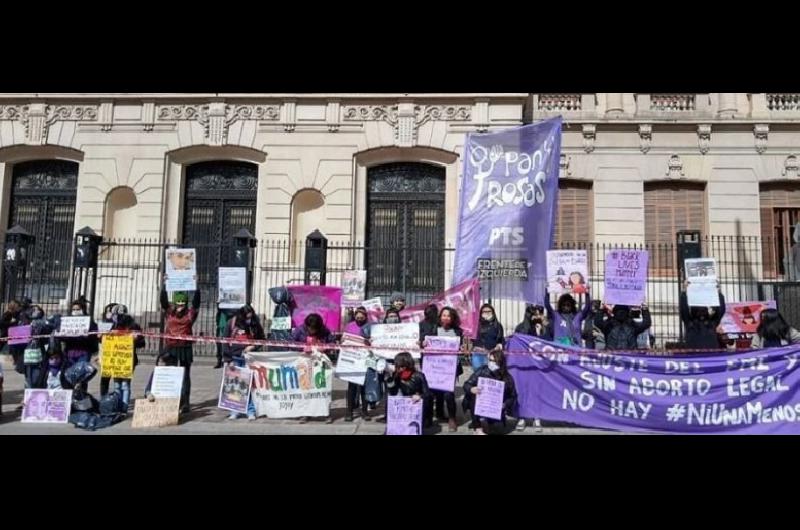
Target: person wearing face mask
{"points": [[567, 321], [80, 348], [392, 316], [535, 323], [244, 326], [107, 322], [179, 319], [449, 326], [619, 328], [699, 324], [402, 378], [495, 369], [398, 301], [359, 325], [490, 336]]}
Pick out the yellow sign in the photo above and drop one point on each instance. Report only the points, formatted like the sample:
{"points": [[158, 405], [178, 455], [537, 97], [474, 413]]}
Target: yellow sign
{"points": [[117, 359]]}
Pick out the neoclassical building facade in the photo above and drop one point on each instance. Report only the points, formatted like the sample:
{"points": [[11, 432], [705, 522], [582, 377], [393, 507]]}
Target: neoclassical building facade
{"points": [[383, 169]]}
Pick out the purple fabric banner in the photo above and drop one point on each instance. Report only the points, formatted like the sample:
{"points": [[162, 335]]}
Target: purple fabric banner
{"points": [[325, 301], [626, 277], [755, 392], [507, 207]]}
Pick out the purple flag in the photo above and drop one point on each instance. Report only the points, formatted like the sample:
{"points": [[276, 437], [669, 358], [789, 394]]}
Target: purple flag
{"points": [[507, 207], [325, 301], [755, 392], [626, 277]]}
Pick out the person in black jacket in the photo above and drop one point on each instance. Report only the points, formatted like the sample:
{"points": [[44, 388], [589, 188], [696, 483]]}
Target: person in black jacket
{"points": [[497, 370], [700, 324], [13, 317], [430, 324], [449, 326], [404, 379], [491, 336], [619, 329], [535, 323]]}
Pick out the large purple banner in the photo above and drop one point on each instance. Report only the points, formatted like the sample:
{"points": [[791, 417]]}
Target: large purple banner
{"points": [[507, 207], [755, 392]]}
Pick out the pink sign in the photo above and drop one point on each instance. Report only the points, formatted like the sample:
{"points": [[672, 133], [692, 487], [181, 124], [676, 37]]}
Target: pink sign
{"points": [[326, 301], [743, 317], [465, 298], [19, 335]]}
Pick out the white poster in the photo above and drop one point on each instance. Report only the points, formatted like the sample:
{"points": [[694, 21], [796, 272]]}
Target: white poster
{"points": [[181, 269], [567, 271], [232, 287], [352, 363], [291, 385], [353, 285], [74, 326], [399, 337], [167, 381], [701, 273]]}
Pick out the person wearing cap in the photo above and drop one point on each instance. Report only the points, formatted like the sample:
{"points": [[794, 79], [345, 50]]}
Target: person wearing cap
{"points": [[179, 320], [398, 301]]}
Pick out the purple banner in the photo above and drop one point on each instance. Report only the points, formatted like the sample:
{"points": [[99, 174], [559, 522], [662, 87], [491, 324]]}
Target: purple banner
{"points": [[325, 301], [755, 392], [626, 277], [440, 370], [403, 416], [507, 207]]}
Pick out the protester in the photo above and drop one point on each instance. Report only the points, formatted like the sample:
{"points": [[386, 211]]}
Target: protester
{"points": [[398, 301], [356, 394], [359, 325], [495, 369], [224, 316], [313, 332], [491, 336], [35, 354], [699, 323], [618, 327], [404, 379], [12, 317], [107, 318], [392, 316], [244, 326], [430, 324], [124, 324], [774, 331], [449, 326], [567, 321], [535, 323]]}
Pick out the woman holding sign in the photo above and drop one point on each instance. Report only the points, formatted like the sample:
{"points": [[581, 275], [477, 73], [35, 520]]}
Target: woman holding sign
{"points": [[496, 370], [490, 336], [567, 321], [179, 320], [701, 325], [403, 378], [123, 323], [449, 326], [35, 356], [82, 347]]}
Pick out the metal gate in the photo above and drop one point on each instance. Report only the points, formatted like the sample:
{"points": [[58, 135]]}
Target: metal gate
{"points": [[43, 203], [405, 230]]}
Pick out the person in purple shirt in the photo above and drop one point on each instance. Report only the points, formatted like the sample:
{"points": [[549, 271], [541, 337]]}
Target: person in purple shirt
{"points": [[567, 321]]}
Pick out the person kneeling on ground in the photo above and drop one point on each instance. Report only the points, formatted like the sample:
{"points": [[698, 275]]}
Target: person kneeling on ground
{"points": [[496, 369]]}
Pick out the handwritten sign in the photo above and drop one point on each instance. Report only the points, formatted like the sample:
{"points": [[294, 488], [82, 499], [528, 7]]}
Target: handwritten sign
{"points": [[352, 363], [398, 336], [403, 416], [489, 403], [117, 359], [281, 323], [626, 277], [74, 326], [162, 412], [440, 369], [567, 271]]}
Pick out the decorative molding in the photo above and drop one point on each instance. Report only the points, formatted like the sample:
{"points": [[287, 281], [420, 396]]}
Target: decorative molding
{"points": [[645, 137], [406, 118], [289, 116], [790, 167], [704, 137], [216, 117], [332, 114], [37, 117], [149, 115], [675, 167], [589, 134], [761, 133]]}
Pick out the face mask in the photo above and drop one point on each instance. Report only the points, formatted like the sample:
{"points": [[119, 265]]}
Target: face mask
{"points": [[361, 321], [77, 313], [488, 316], [36, 315], [248, 321], [493, 366], [392, 320], [108, 316]]}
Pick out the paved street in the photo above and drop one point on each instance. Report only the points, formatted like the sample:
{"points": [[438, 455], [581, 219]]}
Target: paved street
{"points": [[206, 418]]}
